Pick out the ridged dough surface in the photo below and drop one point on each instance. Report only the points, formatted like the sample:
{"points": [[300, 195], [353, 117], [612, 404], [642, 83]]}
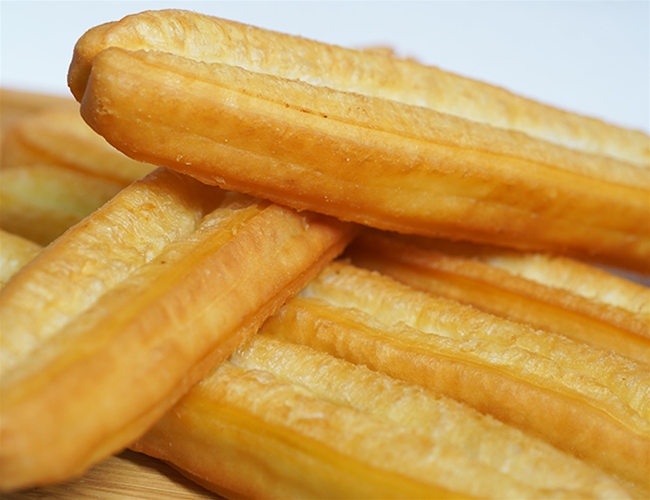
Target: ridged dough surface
{"points": [[281, 420], [374, 73], [552, 293], [15, 252], [344, 150], [133, 306], [581, 399]]}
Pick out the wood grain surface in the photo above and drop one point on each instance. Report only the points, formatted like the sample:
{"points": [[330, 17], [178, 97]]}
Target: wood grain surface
{"points": [[126, 476]]}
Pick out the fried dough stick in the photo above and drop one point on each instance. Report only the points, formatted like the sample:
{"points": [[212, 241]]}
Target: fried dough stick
{"points": [[281, 420], [376, 73], [62, 138], [581, 399], [306, 125], [215, 449], [55, 171], [536, 468], [18, 104], [109, 325], [121, 470], [15, 252], [548, 292], [39, 202]]}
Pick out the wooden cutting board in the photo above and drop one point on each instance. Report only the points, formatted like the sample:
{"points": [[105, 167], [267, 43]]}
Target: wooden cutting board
{"points": [[126, 476]]}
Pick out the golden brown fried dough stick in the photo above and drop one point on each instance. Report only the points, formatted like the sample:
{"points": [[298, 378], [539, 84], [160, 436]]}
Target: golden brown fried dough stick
{"points": [[549, 292], [370, 72], [121, 472], [584, 400], [298, 136], [15, 252], [281, 420], [113, 322]]}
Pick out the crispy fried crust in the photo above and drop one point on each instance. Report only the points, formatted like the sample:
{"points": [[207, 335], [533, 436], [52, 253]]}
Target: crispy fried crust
{"points": [[350, 152], [548, 292], [587, 401], [61, 137], [134, 305], [15, 252], [282, 420], [109, 326], [374, 73]]}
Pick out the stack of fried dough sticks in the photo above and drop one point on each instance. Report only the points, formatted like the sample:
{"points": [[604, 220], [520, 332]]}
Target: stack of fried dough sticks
{"points": [[293, 270]]}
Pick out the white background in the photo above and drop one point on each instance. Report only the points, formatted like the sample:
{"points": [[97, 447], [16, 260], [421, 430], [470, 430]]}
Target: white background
{"points": [[591, 57]]}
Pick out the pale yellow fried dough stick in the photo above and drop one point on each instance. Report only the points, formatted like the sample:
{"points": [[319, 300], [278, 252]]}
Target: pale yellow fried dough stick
{"points": [[17, 104], [57, 170], [40, 202], [281, 420], [61, 137], [337, 147], [109, 325], [15, 252], [549, 292], [584, 400]]}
